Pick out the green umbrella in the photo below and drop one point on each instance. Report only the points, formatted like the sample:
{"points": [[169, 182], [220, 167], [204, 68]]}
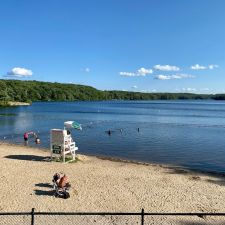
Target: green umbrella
{"points": [[72, 124]]}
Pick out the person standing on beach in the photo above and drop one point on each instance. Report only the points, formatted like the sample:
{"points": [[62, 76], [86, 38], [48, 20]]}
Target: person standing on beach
{"points": [[63, 182], [25, 137]]}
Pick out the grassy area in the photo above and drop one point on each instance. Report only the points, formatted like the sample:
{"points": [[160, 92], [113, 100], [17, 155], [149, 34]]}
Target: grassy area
{"points": [[67, 159]]}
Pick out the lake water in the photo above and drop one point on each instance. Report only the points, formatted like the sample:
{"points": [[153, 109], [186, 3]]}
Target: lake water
{"points": [[187, 133]]}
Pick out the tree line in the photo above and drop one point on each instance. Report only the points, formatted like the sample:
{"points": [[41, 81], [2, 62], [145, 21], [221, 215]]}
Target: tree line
{"points": [[29, 91]]}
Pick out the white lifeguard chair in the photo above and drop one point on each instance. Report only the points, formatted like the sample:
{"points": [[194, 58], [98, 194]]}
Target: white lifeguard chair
{"points": [[62, 144]]}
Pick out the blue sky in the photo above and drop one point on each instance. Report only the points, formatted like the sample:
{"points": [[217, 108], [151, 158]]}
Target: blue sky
{"points": [[134, 45]]}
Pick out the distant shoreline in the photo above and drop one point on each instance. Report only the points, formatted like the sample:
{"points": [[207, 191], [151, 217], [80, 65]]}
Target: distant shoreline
{"points": [[12, 103], [29, 91], [18, 103]]}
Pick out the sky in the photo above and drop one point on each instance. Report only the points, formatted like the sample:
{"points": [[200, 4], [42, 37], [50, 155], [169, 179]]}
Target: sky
{"points": [[130, 45]]}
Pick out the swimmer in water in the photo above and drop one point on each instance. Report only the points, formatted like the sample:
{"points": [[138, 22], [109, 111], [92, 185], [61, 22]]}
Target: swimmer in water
{"points": [[37, 139]]}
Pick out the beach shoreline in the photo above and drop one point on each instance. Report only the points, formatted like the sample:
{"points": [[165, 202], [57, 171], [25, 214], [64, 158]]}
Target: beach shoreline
{"points": [[178, 168], [103, 185]]}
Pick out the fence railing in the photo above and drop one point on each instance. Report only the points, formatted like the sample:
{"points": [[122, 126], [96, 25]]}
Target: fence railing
{"points": [[73, 218]]}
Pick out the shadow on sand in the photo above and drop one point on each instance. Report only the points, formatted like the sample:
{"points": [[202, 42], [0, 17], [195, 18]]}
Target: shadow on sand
{"points": [[205, 222], [47, 185], [29, 158], [46, 193], [216, 178]]}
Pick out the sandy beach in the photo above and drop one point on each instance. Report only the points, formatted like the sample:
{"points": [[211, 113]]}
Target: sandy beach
{"points": [[107, 186]]}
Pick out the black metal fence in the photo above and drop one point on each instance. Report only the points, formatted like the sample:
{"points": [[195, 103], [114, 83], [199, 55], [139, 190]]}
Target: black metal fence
{"points": [[104, 218]]}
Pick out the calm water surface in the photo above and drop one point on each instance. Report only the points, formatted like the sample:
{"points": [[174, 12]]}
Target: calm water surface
{"points": [[190, 134]]}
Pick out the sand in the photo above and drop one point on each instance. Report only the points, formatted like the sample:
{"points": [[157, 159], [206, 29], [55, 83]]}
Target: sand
{"points": [[107, 186]]}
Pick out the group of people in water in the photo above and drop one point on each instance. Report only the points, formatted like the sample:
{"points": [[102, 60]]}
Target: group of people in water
{"points": [[26, 137], [38, 141], [109, 132]]}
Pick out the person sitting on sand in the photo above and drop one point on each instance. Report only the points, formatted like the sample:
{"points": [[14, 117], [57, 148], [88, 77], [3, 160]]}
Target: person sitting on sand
{"points": [[56, 178], [63, 182]]}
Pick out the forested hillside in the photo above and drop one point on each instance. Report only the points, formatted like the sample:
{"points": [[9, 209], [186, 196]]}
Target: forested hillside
{"points": [[29, 91]]}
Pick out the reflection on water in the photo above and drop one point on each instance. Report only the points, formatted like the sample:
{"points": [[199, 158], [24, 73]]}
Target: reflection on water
{"points": [[185, 133]]}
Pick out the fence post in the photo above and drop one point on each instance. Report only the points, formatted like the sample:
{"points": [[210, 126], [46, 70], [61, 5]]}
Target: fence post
{"points": [[142, 216], [32, 216]]}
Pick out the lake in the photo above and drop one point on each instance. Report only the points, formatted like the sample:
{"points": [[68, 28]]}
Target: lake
{"points": [[185, 133]]}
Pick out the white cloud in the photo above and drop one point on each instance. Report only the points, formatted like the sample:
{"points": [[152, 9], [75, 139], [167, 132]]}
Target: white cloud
{"points": [[204, 89], [198, 67], [162, 77], [211, 67], [172, 77], [87, 70], [149, 91], [128, 74], [195, 90], [19, 72], [134, 87], [166, 68], [189, 89], [140, 72], [207, 90]]}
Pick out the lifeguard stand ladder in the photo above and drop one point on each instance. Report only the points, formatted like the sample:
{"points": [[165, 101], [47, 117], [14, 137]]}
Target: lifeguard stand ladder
{"points": [[62, 144]]}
